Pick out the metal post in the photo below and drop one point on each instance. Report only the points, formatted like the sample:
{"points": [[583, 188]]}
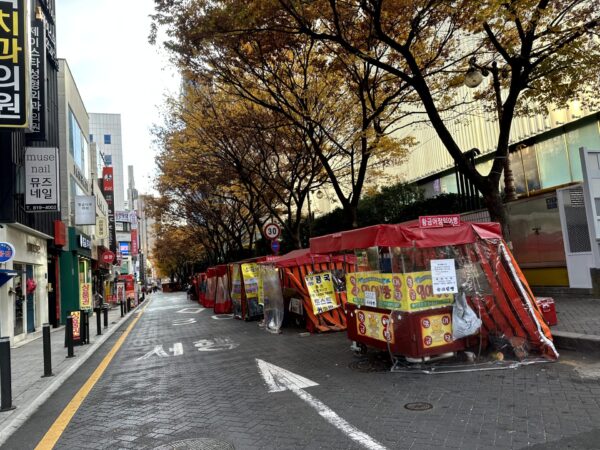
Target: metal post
{"points": [[105, 311], [69, 331], [5, 375], [122, 307], [86, 327], [128, 305], [47, 351], [98, 322]]}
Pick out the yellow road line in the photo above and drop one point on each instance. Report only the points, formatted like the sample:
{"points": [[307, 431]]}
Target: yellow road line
{"points": [[58, 427]]}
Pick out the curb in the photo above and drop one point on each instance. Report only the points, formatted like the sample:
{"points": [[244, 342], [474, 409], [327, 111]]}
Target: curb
{"points": [[567, 340], [12, 425]]}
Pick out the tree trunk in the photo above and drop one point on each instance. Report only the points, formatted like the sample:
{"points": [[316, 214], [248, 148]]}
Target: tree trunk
{"points": [[351, 211], [497, 209]]}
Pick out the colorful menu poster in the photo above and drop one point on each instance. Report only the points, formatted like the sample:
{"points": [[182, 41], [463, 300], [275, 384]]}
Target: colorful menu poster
{"points": [[322, 292]]}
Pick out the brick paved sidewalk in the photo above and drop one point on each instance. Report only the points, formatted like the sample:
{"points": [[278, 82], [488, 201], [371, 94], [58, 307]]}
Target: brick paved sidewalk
{"points": [[578, 316], [27, 365]]}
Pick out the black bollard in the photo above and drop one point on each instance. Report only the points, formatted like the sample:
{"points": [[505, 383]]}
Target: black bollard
{"points": [[47, 351], [105, 311], [128, 305], [98, 322], [86, 323], [122, 308], [69, 332], [5, 375]]}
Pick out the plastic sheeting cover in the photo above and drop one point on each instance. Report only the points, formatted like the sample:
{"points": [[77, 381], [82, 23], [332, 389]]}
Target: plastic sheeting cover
{"points": [[274, 305]]}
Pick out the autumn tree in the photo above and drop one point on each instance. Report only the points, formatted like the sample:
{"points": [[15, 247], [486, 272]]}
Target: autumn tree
{"points": [[539, 54], [346, 108], [175, 251]]}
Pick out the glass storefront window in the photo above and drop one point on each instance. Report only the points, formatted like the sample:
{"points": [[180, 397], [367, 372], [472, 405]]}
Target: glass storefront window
{"points": [[530, 166], [553, 162], [516, 165], [19, 288], [586, 136], [78, 146]]}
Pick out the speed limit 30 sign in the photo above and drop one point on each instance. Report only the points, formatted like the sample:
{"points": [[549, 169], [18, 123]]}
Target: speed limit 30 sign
{"points": [[271, 230]]}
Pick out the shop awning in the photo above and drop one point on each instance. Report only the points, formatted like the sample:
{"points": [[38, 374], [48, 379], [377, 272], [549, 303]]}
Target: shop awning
{"points": [[403, 235], [6, 274]]}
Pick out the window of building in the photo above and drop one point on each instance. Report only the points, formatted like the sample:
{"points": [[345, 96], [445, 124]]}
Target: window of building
{"points": [[587, 136], [108, 160], [553, 162], [91, 138], [78, 145], [107, 139]]}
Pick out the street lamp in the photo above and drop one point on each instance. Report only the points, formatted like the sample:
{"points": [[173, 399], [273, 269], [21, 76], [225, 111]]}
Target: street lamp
{"points": [[473, 78]]}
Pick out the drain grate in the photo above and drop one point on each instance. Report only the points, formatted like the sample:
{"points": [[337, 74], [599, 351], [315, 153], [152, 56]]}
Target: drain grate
{"points": [[197, 444], [418, 406], [371, 364]]}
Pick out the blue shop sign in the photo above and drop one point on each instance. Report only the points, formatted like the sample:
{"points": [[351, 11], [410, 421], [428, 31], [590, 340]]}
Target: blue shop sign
{"points": [[7, 252], [124, 247]]}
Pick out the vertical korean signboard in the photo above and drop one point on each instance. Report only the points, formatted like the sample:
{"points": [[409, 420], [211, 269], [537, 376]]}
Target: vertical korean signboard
{"points": [[108, 192], [15, 88], [41, 179], [38, 81], [134, 243]]}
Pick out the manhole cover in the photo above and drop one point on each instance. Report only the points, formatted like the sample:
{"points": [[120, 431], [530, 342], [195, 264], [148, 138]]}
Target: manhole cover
{"points": [[197, 444], [418, 406], [370, 365]]}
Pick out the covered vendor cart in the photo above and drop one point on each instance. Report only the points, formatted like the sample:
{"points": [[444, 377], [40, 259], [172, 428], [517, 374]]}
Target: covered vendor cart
{"points": [[435, 288], [246, 289], [208, 300], [201, 287], [222, 296], [299, 266]]}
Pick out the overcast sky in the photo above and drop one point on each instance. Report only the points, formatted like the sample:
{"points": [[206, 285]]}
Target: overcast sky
{"points": [[117, 71]]}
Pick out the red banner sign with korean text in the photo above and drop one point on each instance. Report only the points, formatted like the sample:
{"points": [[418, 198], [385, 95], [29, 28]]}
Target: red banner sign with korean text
{"points": [[450, 220]]}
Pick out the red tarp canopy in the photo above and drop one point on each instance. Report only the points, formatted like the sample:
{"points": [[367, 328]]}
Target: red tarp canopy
{"points": [[211, 272], [303, 257], [404, 236], [221, 270]]}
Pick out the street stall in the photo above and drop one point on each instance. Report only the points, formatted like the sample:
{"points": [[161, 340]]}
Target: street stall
{"points": [[208, 301], [313, 289], [429, 290], [246, 289], [201, 287], [222, 296]]}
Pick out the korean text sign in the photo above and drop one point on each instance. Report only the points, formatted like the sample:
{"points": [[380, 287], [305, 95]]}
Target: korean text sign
{"points": [[251, 280], [85, 210], [15, 86], [322, 292], [85, 296], [38, 81], [41, 179]]}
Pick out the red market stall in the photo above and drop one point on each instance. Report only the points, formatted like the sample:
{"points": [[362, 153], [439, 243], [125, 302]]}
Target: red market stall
{"points": [[201, 287], [208, 300], [246, 289], [435, 288], [295, 267], [223, 303]]}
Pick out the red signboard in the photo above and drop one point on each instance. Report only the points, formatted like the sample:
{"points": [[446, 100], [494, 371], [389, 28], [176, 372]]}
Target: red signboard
{"points": [[60, 233], [134, 242], [450, 220], [108, 257], [107, 179]]}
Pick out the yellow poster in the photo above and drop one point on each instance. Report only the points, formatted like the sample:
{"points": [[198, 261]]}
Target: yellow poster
{"points": [[251, 280], [408, 292], [236, 283], [76, 315], [418, 293], [322, 292], [436, 330], [374, 325], [85, 296]]}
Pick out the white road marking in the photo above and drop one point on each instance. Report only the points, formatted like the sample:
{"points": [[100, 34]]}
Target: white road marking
{"points": [[158, 351], [177, 349], [278, 379], [222, 316], [189, 321], [215, 345], [190, 310]]}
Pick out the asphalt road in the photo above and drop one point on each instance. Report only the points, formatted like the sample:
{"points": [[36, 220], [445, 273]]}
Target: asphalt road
{"points": [[184, 379]]}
